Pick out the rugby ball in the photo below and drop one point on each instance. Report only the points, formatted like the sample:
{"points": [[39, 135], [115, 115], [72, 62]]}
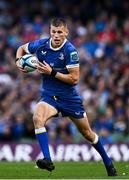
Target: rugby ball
{"points": [[29, 62]]}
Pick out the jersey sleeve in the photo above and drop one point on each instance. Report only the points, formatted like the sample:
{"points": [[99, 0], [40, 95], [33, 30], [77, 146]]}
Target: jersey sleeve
{"points": [[72, 58], [34, 45]]}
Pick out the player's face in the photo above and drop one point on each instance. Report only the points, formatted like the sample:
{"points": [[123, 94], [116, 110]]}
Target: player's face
{"points": [[58, 35]]}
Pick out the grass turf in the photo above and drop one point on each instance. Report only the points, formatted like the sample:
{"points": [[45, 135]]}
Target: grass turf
{"points": [[64, 170]]}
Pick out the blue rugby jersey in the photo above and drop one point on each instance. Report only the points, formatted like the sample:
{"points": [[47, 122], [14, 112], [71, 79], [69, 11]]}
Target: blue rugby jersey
{"points": [[60, 59]]}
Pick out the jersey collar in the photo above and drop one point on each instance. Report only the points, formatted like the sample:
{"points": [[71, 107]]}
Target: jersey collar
{"points": [[56, 49]]}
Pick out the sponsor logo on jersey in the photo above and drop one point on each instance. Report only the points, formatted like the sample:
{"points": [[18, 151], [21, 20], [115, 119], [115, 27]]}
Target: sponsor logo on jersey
{"points": [[44, 52], [77, 113], [51, 64]]}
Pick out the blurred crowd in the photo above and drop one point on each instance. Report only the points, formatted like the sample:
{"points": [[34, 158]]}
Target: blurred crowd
{"points": [[100, 32]]}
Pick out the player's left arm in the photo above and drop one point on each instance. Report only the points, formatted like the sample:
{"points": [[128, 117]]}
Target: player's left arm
{"points": [[71, 78]]}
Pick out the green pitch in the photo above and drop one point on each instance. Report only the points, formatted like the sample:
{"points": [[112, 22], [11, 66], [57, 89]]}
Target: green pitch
{"points": [[64, 170]]}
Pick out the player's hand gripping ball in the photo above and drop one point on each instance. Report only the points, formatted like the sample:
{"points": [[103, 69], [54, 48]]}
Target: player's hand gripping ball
{"points": [[28, 62]]}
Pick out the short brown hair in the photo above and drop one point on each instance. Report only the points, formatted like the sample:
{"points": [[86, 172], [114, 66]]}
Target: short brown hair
{"points": [[58, 22]]}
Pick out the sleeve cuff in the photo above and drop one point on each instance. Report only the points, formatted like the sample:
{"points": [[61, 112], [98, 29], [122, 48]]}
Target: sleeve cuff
{"points": [[72, 65]]}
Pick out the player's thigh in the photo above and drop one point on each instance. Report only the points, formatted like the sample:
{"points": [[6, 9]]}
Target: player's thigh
{"points": [[84, 128], [44, 111], [82, 124]]}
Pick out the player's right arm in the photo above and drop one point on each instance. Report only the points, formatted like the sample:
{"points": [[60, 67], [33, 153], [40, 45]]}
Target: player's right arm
{"points": [[27, 48], [22, 50]]}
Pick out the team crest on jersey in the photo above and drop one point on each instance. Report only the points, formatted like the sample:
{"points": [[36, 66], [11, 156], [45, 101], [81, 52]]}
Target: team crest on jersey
{"points": [[61, 56], [74, 56]]}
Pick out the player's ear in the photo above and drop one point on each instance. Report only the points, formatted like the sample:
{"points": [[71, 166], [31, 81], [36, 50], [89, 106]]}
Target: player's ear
{"points": [[67, 31]]}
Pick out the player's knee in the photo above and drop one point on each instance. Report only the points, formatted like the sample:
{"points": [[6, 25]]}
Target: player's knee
{"points": [[88, 134], [38, 120]]}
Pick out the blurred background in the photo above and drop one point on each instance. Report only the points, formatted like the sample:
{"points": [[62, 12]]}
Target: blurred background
{"points": [[100, 31]]}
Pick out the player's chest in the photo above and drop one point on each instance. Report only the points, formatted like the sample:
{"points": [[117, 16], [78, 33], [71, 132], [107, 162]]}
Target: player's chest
{"points": [[53, 58]]}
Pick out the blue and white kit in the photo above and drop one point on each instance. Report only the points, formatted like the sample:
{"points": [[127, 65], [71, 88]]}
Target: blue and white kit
{"points": [[61, 95]]}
